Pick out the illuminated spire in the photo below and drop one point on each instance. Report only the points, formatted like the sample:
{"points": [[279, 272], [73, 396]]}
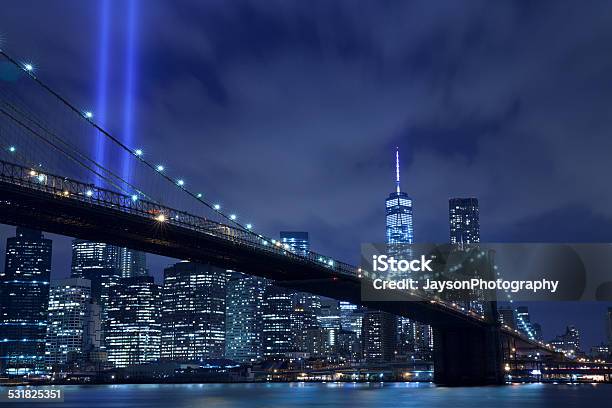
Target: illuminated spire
{"points": [[397, 178]]}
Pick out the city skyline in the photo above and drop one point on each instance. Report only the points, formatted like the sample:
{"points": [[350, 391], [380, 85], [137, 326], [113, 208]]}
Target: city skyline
{"points": [[486, 156]]}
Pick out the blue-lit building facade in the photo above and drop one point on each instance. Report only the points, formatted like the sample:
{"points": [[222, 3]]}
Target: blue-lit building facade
{"points": [[398, 206], [24, 297], [244, 318]]}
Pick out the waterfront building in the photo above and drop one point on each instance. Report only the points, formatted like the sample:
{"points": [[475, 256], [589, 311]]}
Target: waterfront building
{"points": [[24, 297], [378, 336], [193, 312], [244, 318], [133, 328], [68, 321]]}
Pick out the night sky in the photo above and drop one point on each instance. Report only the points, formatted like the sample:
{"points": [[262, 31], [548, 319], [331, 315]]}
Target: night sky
{"points": [[288, 112]]}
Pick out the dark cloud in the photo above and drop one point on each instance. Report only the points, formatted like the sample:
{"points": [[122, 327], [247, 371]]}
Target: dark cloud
{"points": [[288, 111]]}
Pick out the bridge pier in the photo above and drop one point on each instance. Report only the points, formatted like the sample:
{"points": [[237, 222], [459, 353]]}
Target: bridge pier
{"points": [[468, 356]]}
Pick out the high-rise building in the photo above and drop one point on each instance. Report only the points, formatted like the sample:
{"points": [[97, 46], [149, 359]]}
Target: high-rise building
{"points": [[133, 328], [400, 230], [193, 312], [524, 323], [132, 263], [464, 220], [278, 334], [244, 318], [104, 264], [100, 264], [24, 297], [305, 305], [399, 212], [609, 326], [69, 301], [378, 337], [506, 317], [568, 343], [297, 240], [351, 317]]}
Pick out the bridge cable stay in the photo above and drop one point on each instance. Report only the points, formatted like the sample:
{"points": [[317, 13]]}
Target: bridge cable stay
{"points": [[245, 228], [72, 152]]}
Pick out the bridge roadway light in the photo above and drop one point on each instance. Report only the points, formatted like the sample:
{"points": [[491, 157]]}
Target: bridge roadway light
{"points": [[180, 182], [88, 114], [28, 67], [89, 193], [138, 152], [249, 226], [161, 218], [233, 217], [134, 197], [12, 149], [217, 207], [199, 195], [159, 167]]}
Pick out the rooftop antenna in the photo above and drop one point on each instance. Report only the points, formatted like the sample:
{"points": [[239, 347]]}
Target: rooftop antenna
{"points": [[397, 173]]}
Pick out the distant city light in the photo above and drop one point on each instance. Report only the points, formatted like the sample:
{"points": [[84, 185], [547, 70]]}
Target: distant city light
{"points": [[28, 67], [233, 216], [180, 182], [138, 152], [88, 114], [217, 207], [160, 167]]}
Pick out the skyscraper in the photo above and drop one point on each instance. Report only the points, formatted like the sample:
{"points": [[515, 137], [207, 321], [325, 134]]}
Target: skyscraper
{"points": [[68, 317], [525, 325], [399, 212], [609, 326], [278, 334], [133, 328], [244, 318], [378, 337], [99, 263], [24, 297], [464, 220], [104, 264], [132, 263], [568, 343], [193, 312], [506, 317], [298, 240]]}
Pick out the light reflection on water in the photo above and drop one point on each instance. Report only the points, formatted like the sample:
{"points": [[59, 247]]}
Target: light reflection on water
{"points": [[352, 395]]}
